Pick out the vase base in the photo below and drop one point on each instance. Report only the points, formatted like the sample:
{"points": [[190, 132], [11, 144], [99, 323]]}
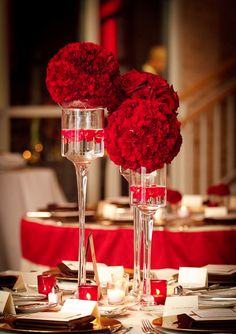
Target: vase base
{"points": [[147, 302]]}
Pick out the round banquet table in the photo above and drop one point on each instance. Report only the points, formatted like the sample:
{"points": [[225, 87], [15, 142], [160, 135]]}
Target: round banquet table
{"points": [[47, 243]]}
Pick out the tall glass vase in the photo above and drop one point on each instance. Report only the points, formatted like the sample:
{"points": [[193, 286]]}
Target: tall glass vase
{"points": [[135, 291], [82, 138], [148, 193]]}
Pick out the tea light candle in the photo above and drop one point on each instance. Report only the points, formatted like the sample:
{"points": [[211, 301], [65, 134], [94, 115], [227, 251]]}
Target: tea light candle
{"points": [[115, 296], [52, 297], [183, 211]]}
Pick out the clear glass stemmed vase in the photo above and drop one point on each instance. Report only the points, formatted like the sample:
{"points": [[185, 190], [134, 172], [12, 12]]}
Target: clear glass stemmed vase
{"points": [[148, 194], [82, 139]]}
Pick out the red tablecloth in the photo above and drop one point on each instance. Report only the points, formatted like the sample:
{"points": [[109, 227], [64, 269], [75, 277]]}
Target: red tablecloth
{"points": [[48, 245]]}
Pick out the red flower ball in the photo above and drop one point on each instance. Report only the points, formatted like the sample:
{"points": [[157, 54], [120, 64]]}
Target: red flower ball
{"points": [[173, 196], [145, 85], [84, 74], [219, 190], [142, 133]]}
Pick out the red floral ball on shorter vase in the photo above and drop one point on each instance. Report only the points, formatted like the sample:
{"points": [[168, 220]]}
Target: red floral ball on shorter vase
{"points": [[84, 75], [142, 133]]}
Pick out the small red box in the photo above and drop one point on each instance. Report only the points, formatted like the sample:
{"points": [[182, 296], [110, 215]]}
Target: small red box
{"points": [[159, 290], [88, 292], [46, 283]]}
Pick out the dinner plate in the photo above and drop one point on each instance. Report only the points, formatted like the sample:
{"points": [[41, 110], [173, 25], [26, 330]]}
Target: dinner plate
{"points": [[106, 324], [34, 307], [27, 297], [111, 311], [170, 323]]}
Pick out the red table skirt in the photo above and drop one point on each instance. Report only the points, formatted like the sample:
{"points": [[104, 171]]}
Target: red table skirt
{"points": [[48, 245]]}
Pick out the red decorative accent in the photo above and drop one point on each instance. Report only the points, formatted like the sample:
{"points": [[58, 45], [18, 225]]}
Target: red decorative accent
{"points": [[88, 292], [82, 134], [108, 35], [221, 189], [108, 14], [173, 196], [148, 192]]}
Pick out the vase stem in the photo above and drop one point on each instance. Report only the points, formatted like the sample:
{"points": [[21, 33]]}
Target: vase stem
{"points": [[147, 230], [81, 176], [137, 244]]}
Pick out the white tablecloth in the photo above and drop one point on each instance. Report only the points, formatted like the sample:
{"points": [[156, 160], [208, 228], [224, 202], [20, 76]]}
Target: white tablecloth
{"points": [[20, 191]]}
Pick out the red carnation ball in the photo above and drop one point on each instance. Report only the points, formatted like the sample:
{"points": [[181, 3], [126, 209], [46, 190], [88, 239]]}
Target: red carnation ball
{"points": [[145, 86], [173, 196], [221, 189], [142, 133], [84, 74]]}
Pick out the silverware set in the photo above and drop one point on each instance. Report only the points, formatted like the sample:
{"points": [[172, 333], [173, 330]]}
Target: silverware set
{"points": [[147, 328]]}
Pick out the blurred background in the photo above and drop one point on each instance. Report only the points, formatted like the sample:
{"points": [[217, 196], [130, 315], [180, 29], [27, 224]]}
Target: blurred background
{"points": [[197, 54]]}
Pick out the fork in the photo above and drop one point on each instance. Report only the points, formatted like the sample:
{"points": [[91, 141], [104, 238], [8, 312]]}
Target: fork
{"points": [[147, 328]]}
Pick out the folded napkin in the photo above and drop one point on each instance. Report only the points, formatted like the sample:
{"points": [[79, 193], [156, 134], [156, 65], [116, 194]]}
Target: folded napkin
{"points": [[187, 322], [62, 324], [7, 281]]}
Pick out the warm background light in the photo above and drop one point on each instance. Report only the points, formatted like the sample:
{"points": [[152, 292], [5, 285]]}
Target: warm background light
{"points": [[26, 154]]}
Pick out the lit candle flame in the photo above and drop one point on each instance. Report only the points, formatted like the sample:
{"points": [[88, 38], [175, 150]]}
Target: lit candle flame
{"points": [[88, 296]]}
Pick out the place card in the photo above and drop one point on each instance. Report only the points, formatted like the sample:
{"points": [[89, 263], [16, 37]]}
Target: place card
{"points": [[82, 307], [25, 280], [192, 201], [192, 277], [218, 211], [6, 303], [180, 304]]}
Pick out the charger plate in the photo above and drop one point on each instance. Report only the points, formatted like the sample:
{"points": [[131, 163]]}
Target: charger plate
{"points": [[170, 323], [106, 324]]}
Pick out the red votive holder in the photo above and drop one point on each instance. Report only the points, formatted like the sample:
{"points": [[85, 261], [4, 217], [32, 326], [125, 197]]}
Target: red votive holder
{"points": [[88, 292], [159, 290], [46, 283]]}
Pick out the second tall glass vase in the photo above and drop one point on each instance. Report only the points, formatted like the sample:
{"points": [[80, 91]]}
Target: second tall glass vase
{"points": [[82, 138], [148, 193], [135, 291]]}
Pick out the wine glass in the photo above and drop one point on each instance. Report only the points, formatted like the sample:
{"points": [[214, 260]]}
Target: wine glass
{"points": [[135, 291], [148, 193], [82, 137]]}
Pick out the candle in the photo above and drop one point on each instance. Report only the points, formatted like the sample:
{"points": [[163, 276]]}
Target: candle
{"points": [[115, 296], [88, 292], [183, 211], [52, 297], [116, 291]]}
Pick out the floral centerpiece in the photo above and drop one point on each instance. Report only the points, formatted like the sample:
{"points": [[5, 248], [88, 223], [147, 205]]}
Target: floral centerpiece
{"points": [[142, 136], [218, 194], [144, 130], [84, 79], [84, 75]]}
